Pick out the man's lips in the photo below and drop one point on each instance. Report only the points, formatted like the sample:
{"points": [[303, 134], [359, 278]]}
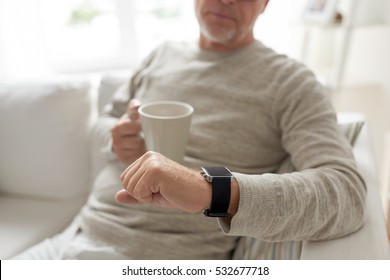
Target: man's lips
{"points": [[221, 16]]}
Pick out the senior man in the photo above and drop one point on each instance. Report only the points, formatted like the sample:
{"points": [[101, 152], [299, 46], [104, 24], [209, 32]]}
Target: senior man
{"points": [[256, 113]]}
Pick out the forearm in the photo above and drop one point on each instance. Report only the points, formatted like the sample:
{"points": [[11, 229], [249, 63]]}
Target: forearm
{"points": [[314, 204], [101, 137], [101, 132]]}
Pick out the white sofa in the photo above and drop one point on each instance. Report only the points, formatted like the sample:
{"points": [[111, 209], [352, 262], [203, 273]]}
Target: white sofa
{"points": [[48, 160]]}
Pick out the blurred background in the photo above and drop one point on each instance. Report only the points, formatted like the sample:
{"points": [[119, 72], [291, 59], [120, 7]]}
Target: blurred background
{"points": [[345, 42]]}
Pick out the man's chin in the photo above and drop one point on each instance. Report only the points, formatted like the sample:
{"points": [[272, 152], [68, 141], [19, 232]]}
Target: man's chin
{"points": [[223, 38]]}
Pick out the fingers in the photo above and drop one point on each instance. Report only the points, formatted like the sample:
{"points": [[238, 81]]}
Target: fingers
{"points": [[154, 179], [139, 179], [129, 154], [132, 109], [124, 197], [126, 141], [131, 176], [126, 126]]}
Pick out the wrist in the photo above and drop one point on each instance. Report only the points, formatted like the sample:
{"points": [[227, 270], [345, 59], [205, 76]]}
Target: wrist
{"points": [[234, 197], [224, 192]]}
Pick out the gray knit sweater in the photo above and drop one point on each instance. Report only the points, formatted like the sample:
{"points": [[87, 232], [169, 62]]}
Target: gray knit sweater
{"points": [[255, 112]]}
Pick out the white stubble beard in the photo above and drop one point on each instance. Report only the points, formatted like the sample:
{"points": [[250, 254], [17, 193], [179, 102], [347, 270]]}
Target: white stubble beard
{"points": [[221, 38]]}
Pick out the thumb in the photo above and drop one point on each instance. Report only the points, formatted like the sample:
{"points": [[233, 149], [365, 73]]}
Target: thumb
{"points": [[132, 109], [124, 197]]}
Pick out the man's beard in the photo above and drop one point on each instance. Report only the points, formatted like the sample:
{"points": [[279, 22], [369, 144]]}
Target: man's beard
{"points": [[219, 38]]}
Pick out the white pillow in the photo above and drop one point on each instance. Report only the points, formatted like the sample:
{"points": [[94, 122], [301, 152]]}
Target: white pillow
{"points": [[350, 125], [44, 138]]}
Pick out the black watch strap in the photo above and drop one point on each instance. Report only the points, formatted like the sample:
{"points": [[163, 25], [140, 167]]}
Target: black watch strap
{"points": [[220, 199]]}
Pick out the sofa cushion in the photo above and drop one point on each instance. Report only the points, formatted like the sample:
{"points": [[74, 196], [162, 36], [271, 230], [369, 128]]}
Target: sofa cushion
{"points": [[26, 221], [44, 138], [108, 86], [350, 125]]}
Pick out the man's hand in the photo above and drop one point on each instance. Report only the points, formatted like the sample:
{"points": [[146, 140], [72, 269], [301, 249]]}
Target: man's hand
{"points": [[155, 179], [126, 141]]}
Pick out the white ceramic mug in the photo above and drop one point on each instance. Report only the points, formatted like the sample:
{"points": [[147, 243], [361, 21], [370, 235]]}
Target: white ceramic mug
{"points": [[166, 126]]}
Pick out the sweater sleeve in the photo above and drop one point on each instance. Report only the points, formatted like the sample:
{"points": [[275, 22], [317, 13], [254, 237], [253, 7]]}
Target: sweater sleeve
{"points": [[116, 108], [101, 132], [324, 198]]}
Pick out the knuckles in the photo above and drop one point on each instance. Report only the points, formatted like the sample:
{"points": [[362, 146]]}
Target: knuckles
{"points": [[152, 165], [153, 162]]}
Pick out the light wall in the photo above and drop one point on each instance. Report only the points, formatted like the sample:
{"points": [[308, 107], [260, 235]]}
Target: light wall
{"points": [[368, 60]]}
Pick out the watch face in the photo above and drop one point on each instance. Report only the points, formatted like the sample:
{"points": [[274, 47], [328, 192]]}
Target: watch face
{"points": [[218, 171]]}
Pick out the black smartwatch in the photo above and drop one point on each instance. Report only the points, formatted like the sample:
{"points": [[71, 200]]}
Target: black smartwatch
{"points": [[220, 179]]}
